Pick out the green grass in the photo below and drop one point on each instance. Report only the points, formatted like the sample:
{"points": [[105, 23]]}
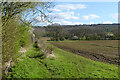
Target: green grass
{"points": [[64, 65], [27, 67]]}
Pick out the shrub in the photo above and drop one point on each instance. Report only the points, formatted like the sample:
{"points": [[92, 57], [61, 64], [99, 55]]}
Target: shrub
{"points": [[62, 38], [35, 45]]}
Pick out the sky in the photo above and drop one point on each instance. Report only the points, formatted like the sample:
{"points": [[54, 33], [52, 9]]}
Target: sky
{"points": [[75, 13]]}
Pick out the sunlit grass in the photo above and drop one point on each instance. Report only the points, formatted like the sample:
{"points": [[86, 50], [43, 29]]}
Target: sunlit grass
{"points": [[64, 65]]}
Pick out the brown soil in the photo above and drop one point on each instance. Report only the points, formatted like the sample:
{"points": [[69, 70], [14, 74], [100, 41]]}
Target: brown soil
{"points": [[94, 56]]}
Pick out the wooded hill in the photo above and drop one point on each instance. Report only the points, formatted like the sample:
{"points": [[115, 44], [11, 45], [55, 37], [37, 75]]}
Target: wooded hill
{"points": [[78, 32]]}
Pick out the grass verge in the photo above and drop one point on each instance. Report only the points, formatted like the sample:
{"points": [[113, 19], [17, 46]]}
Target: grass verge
{"points": [[64, 65]]}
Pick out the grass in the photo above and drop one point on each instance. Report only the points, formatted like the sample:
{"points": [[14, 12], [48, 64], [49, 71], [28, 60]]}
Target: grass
{"points": [[28, 67], [64, 65]]}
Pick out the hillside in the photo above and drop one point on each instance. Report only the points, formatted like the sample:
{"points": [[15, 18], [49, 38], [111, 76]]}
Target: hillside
{"points": [[107, 27], [63, 65]]}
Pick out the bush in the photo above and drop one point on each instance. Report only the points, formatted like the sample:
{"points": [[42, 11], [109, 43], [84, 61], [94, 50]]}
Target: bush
{"points": [[14, 36], [62, 38], [93, 38], [84, 38], [57, 39], [35, 45], [36, 52]]}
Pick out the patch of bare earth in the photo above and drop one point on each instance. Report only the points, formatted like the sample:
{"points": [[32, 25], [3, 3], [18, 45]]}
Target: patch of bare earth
{"points": [[47, 51], [24, 50], [111, 57]]}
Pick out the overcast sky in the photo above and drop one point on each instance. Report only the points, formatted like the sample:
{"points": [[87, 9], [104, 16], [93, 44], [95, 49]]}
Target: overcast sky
{"points": [[74, 13]]}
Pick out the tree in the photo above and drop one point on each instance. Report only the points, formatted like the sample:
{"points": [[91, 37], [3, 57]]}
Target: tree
{"points": [[91, 33], [15, 35], [39, 32], [116, 33], [56, 32], [17, 9]]}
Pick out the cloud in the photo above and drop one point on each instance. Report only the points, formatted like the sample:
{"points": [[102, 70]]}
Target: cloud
{"points": [[107, 22], [60, 18], [68, 7], [115, 16], [91, 16], [92, 23], [64, 22], [41, 21], [54, 9], [63, 15]]}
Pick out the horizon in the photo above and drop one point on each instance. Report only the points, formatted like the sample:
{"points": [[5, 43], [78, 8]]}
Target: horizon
{"points": [[81, 24]]}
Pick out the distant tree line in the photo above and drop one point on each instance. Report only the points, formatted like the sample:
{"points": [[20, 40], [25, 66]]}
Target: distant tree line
{"points": [[60, 33]]}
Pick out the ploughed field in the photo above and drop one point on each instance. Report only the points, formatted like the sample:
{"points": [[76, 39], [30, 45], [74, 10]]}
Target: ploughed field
{"points": [[99, 50]]}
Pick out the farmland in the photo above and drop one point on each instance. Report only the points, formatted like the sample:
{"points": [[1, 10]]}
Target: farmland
{"points": [[100, 50]]}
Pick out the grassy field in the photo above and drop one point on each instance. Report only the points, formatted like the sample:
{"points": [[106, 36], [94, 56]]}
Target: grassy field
{"points": [[99, 50], [65, 65]]}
